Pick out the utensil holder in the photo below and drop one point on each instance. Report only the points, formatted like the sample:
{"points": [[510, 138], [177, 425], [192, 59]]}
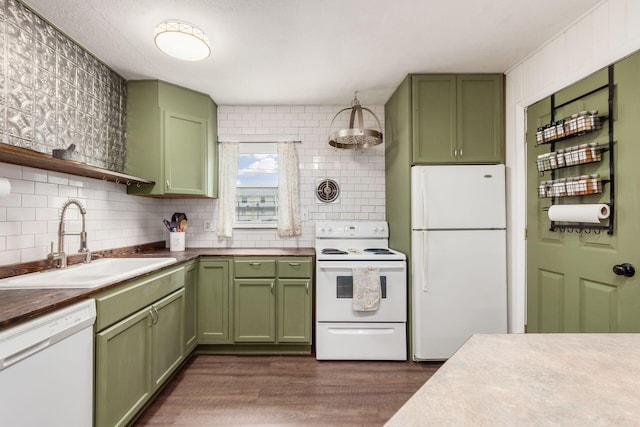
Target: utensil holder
{"points": [[176, 241]]}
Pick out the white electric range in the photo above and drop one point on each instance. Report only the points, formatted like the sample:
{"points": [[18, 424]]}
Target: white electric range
{"points": [[343, 333]]}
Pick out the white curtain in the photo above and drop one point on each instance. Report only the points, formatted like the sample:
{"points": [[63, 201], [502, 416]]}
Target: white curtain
{"points": [[229, 152], [289, 223]]}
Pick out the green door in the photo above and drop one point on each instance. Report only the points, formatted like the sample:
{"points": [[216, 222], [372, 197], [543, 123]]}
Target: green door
{"points": [[570, 283], [213, 302], [434, 118], [480, 129], [168, 336], [294, 310], [185, 153], [254, 310], [123, 369]]}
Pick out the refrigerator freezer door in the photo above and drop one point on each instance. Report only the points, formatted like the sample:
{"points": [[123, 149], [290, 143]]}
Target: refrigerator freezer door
{"points": [[458, 197], [459, 289]]}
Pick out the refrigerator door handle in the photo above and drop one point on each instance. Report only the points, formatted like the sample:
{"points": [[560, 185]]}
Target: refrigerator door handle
{"points": [[425, 269]]}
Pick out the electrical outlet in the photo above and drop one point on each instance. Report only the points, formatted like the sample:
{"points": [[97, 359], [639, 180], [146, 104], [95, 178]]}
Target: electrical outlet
{"points": [[208, 225]]}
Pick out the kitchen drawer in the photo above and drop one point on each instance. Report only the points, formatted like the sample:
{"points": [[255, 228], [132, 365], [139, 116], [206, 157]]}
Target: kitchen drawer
{"points": [[254, 267], [121, 301], [294, 267]]}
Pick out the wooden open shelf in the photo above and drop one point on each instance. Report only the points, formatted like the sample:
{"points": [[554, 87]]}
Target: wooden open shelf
{"points": [[25, 157]]}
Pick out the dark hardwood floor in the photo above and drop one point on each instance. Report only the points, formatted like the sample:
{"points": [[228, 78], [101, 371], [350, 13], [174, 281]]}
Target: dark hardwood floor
{"points": [[285, 391]]}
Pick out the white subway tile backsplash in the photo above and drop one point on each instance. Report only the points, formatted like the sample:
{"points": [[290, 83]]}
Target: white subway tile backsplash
{"points": [[22, 186], [29, 217]]}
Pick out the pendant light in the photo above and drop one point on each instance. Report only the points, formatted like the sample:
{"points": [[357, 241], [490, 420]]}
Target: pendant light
{"points": [[356, 136], [181, 40]]}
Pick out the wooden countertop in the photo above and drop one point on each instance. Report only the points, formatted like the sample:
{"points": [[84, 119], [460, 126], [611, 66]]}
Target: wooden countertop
{"points": [[532, 380], [17, 305]]}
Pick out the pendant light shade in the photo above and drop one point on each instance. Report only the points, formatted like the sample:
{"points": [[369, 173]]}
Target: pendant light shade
{"points": [[356, 136], [182, 41]]}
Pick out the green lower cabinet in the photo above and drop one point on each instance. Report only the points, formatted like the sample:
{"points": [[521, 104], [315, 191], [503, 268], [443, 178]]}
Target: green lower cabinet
{"points": [[294, 310], [167, 337], [213, 300], [139, 343], [254, 310], [123, 369], [190, 306]]}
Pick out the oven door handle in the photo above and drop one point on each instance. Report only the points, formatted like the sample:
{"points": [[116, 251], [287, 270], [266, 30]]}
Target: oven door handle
{"points": [[350, 267]]}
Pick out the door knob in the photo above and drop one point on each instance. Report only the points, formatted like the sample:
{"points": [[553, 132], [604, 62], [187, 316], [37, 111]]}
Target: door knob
{"points": [[626, 269]]}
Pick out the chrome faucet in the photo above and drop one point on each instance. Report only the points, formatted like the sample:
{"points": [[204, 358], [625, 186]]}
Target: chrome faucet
{"points": [[60, 256]]}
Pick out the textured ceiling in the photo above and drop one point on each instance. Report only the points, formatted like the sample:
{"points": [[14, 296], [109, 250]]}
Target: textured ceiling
{"points": [[278, 52]]}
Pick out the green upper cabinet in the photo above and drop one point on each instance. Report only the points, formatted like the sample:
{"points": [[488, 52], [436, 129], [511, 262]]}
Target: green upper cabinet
{"points": [[457, 118], [171, 140]]}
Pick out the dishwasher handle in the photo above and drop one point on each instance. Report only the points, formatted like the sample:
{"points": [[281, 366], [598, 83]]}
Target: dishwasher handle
{"points": [[22, 354]]}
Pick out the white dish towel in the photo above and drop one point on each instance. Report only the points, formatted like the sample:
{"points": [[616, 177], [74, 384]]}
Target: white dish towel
{"points": [[366, 289]]}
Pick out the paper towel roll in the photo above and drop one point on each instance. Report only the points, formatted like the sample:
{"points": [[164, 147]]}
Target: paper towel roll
{"points": [[5, 187], [591, 213]]}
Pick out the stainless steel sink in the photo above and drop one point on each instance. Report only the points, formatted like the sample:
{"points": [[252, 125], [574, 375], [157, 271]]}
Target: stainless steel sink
{"points": [[97, 273]]}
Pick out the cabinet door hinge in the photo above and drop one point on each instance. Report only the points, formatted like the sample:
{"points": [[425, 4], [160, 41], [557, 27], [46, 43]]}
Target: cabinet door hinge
{"points": [[526, 233]]}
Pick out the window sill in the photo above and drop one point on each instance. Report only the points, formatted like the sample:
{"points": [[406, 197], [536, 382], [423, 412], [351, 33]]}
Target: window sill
{"points": [[270, 225]]}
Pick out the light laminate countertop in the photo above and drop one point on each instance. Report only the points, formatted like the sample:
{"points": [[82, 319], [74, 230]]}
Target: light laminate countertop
{"points": [[532, 380]]}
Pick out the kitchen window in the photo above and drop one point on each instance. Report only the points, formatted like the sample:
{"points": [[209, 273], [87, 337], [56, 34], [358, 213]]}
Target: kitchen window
{"points": [[256, 204]]}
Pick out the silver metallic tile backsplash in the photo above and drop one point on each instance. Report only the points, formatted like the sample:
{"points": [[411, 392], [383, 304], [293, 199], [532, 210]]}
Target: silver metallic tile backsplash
{"points": [[53, 93]]}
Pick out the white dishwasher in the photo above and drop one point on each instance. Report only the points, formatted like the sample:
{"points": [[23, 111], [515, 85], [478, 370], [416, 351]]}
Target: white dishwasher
{"points": [[46, 369]]}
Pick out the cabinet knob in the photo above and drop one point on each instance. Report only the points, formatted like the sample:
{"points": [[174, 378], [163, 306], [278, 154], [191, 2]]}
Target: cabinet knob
{"points": [[307, 287], [254, 264], [625, 269], [455, 152], [294, 264], [272, 287], [460, 152], [168, 185]]}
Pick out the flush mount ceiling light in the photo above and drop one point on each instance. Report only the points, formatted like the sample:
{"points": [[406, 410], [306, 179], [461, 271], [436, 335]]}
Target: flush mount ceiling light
{"points": [[182, 41], [356, 136]]}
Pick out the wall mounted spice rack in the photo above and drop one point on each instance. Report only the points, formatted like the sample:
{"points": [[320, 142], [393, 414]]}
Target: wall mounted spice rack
{"points": [[570, 127]]}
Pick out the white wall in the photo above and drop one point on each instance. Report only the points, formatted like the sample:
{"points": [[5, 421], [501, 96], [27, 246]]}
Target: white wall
{"points": [[359, 172], [605, 34]]}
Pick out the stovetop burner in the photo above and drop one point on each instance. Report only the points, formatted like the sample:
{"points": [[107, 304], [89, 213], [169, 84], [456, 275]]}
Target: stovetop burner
{"points": [[379, 251], [332, 251]]}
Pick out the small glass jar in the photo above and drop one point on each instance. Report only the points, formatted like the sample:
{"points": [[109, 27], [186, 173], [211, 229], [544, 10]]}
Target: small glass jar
{"points": [[584, 153], [583, 185], [581, 124], [594, 120], [571, 124], [540, 163], [596, 154], [553, 162], [560, 158], [559, 187], [540, 135], [549, 132], [542, 189], [596, 183], [559, 128]]}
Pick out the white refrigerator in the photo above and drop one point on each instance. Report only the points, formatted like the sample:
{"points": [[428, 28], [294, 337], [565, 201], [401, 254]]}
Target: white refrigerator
{"points": [[458, 256]]}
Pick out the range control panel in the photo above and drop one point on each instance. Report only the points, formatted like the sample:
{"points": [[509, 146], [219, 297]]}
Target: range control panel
{"points": [[351, 229]]}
